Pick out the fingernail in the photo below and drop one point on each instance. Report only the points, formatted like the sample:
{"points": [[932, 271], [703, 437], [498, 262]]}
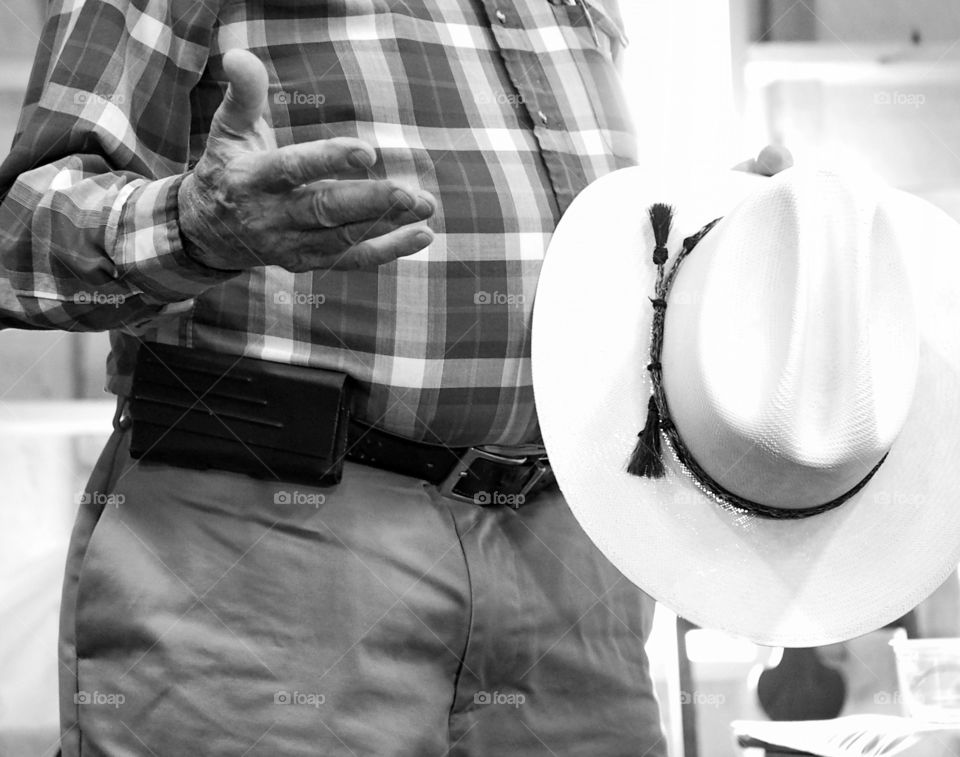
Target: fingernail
{"points": [[424, 206], [361, 159], [423, 238], [404, 199]]}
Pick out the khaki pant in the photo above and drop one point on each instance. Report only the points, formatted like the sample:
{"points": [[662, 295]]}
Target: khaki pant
{"points": [[211, 613]]}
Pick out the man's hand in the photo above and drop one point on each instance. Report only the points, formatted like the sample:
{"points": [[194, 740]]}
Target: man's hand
{"points": [[772, 160], [249, 203]]}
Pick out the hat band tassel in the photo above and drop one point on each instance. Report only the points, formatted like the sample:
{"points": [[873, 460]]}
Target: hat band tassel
{"points": [[647, 457]]}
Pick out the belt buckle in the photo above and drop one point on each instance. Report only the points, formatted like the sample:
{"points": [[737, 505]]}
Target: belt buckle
{"points": [[539, 468]]}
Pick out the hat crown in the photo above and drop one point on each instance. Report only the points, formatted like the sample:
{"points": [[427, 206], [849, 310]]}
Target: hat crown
{"points": [[790, 343]]}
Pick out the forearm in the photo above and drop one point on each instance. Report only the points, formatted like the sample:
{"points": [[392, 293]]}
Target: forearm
{"points": [[89, 236], [101, 253]]}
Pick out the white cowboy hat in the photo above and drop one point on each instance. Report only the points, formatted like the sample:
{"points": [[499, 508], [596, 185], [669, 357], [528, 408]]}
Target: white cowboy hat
{"points": [[810, 370]]}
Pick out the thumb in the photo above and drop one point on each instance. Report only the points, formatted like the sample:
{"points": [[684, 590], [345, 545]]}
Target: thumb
{"points": [[773, 159], [246, 94]]}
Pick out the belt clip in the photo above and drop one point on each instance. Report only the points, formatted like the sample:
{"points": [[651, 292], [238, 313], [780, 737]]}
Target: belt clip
{"points": [[538, 464]]}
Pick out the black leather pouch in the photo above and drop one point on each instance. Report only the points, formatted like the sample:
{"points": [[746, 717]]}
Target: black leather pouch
{"points": [[200, 409]]}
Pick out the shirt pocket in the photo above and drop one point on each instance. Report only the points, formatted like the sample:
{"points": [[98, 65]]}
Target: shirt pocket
{"points": [[595, 35], [606, 26]]}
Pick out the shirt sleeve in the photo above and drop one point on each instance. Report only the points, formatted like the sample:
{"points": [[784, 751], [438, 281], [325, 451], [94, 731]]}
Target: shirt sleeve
{"points": [[89, 231]]}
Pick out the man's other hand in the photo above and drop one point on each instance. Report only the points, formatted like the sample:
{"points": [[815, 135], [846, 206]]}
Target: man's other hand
{"points": [[771, 160], [249, 203]]}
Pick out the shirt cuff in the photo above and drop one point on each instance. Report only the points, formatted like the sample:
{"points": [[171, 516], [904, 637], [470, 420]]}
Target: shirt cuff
{"points": [[148, 249]]}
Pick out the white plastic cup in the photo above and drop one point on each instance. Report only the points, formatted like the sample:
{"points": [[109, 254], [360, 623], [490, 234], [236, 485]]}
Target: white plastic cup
{"points": [[928, 676]]}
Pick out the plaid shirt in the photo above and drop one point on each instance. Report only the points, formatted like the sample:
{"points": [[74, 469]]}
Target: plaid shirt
{"points": [[503, 109]]}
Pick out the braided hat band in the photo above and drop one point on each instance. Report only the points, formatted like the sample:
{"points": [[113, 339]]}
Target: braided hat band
{"points": [[647, 458]]}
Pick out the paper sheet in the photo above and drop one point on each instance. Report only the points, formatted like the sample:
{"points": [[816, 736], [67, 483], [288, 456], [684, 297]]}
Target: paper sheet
{"points": [[856, 736]]}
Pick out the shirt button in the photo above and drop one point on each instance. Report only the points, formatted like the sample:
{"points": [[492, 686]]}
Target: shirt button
{"points": [[543, 117], [501, 17]]}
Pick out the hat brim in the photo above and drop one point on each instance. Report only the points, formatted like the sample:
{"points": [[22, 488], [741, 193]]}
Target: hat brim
{"points": [[804, 582]]}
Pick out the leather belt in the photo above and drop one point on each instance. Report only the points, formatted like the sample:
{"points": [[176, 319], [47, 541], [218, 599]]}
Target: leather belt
{"points": [[489, 475]]}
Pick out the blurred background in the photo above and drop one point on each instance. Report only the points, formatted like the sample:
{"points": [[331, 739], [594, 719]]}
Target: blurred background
{"points": [[873, 84]]}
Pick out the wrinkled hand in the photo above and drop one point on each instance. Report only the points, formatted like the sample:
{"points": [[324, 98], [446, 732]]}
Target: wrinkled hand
{"points": [[249, 203], [772, 160]]}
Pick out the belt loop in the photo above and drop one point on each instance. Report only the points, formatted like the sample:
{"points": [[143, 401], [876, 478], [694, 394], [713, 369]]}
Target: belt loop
{"points": [[121, 417]]}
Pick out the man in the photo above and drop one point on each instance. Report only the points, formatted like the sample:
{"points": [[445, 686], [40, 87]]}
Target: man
{"points": [[360, 187]]}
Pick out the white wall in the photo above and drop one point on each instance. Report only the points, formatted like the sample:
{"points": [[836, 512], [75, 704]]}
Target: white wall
{"points": [[677, 73]]}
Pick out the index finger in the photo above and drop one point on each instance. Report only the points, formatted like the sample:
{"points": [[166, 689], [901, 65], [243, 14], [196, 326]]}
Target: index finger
{"points": [[293, 166]]}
